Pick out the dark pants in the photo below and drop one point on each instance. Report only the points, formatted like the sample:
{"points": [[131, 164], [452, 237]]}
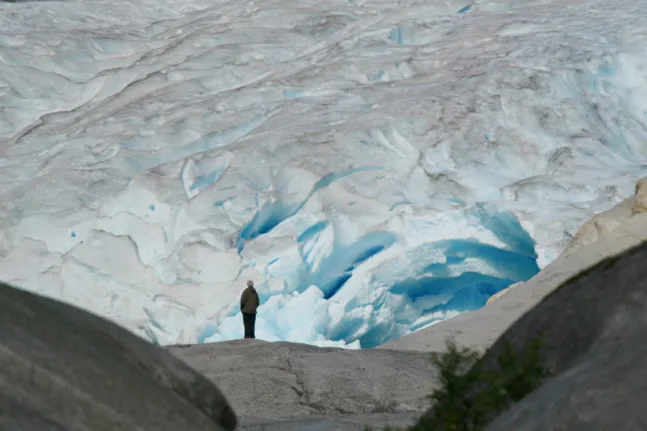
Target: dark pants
{"points": [[249, 320]]}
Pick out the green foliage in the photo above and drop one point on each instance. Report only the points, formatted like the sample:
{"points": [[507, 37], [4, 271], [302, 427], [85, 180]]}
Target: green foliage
{"points": [[470, 395], [454, 400]]}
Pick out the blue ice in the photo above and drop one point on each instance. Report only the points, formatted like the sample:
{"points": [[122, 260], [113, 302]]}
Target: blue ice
{"points": [[312, 231], [464, 290], [398, 203], [337, 268], [507, 229], [397, 35], [147, 160], [207, 332], [270, 216], [445, 276], [274, 213], [465, 9], [205, 181], [222, 138], [293, 94]]}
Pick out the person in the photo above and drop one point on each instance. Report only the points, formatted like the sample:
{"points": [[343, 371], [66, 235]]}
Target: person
{"points": [[249, 302]]}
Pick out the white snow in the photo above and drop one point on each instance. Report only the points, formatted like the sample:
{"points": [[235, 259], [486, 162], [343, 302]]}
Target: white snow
{"points": [[375, 166]]}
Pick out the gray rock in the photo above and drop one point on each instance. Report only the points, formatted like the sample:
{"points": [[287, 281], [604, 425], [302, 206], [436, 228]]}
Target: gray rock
{"points": [[62, 368], [286, 381], [376, 421], [595, 327]]}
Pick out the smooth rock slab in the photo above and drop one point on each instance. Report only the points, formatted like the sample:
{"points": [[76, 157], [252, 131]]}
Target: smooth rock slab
{"points": [[64, 369], [284, 381], [377, 421]]}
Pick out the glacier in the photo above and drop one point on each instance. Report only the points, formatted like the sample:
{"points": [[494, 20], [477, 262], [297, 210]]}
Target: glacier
{"points": [[374, 166]]}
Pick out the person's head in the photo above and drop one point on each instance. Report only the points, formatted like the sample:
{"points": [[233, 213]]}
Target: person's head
{"points": [[250, 283]]}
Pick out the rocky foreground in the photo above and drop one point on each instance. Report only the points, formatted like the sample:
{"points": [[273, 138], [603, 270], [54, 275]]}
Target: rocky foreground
{"points": [[595, 328], [288, 386], [62, 368]]}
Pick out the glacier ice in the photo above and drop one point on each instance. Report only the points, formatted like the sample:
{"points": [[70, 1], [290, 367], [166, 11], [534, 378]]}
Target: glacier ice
{"points": [[375, 166]]}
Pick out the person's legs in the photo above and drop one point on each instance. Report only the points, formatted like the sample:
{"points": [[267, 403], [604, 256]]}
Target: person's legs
{"points": [[247, 324], [252, 326]]}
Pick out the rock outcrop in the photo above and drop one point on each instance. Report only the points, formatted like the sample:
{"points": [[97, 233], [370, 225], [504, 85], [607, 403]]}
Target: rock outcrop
{"points": [[287, 386], [62, 368], [594, 328], [608, 234], [602, 224], [503, 292], [640, 201], [606, 222]]}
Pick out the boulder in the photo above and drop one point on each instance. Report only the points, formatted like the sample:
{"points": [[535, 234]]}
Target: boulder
{"points": [[594, 328], [62, 368], [602, 224], [502, 292], [640, 203]]}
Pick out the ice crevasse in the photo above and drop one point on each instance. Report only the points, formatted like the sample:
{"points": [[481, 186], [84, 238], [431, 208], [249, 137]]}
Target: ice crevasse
{"points": [[374, 166]]}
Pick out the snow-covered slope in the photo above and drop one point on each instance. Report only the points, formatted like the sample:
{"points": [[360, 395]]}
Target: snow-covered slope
{"points": [[374, 166]]}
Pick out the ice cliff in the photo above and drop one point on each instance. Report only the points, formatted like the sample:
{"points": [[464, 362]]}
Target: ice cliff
{"points": [[601, 239], [374, 166]]}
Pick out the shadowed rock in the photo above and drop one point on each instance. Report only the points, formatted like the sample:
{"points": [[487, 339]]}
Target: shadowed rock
{"points": [[62, 368], [594, 328], [595, 331]]}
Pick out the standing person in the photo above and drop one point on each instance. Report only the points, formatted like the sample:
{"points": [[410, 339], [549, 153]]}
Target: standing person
{"points": [[249, 302]]}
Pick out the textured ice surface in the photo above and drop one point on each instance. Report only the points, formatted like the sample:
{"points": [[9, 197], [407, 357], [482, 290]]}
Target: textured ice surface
{"points": [[375, 166]]}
